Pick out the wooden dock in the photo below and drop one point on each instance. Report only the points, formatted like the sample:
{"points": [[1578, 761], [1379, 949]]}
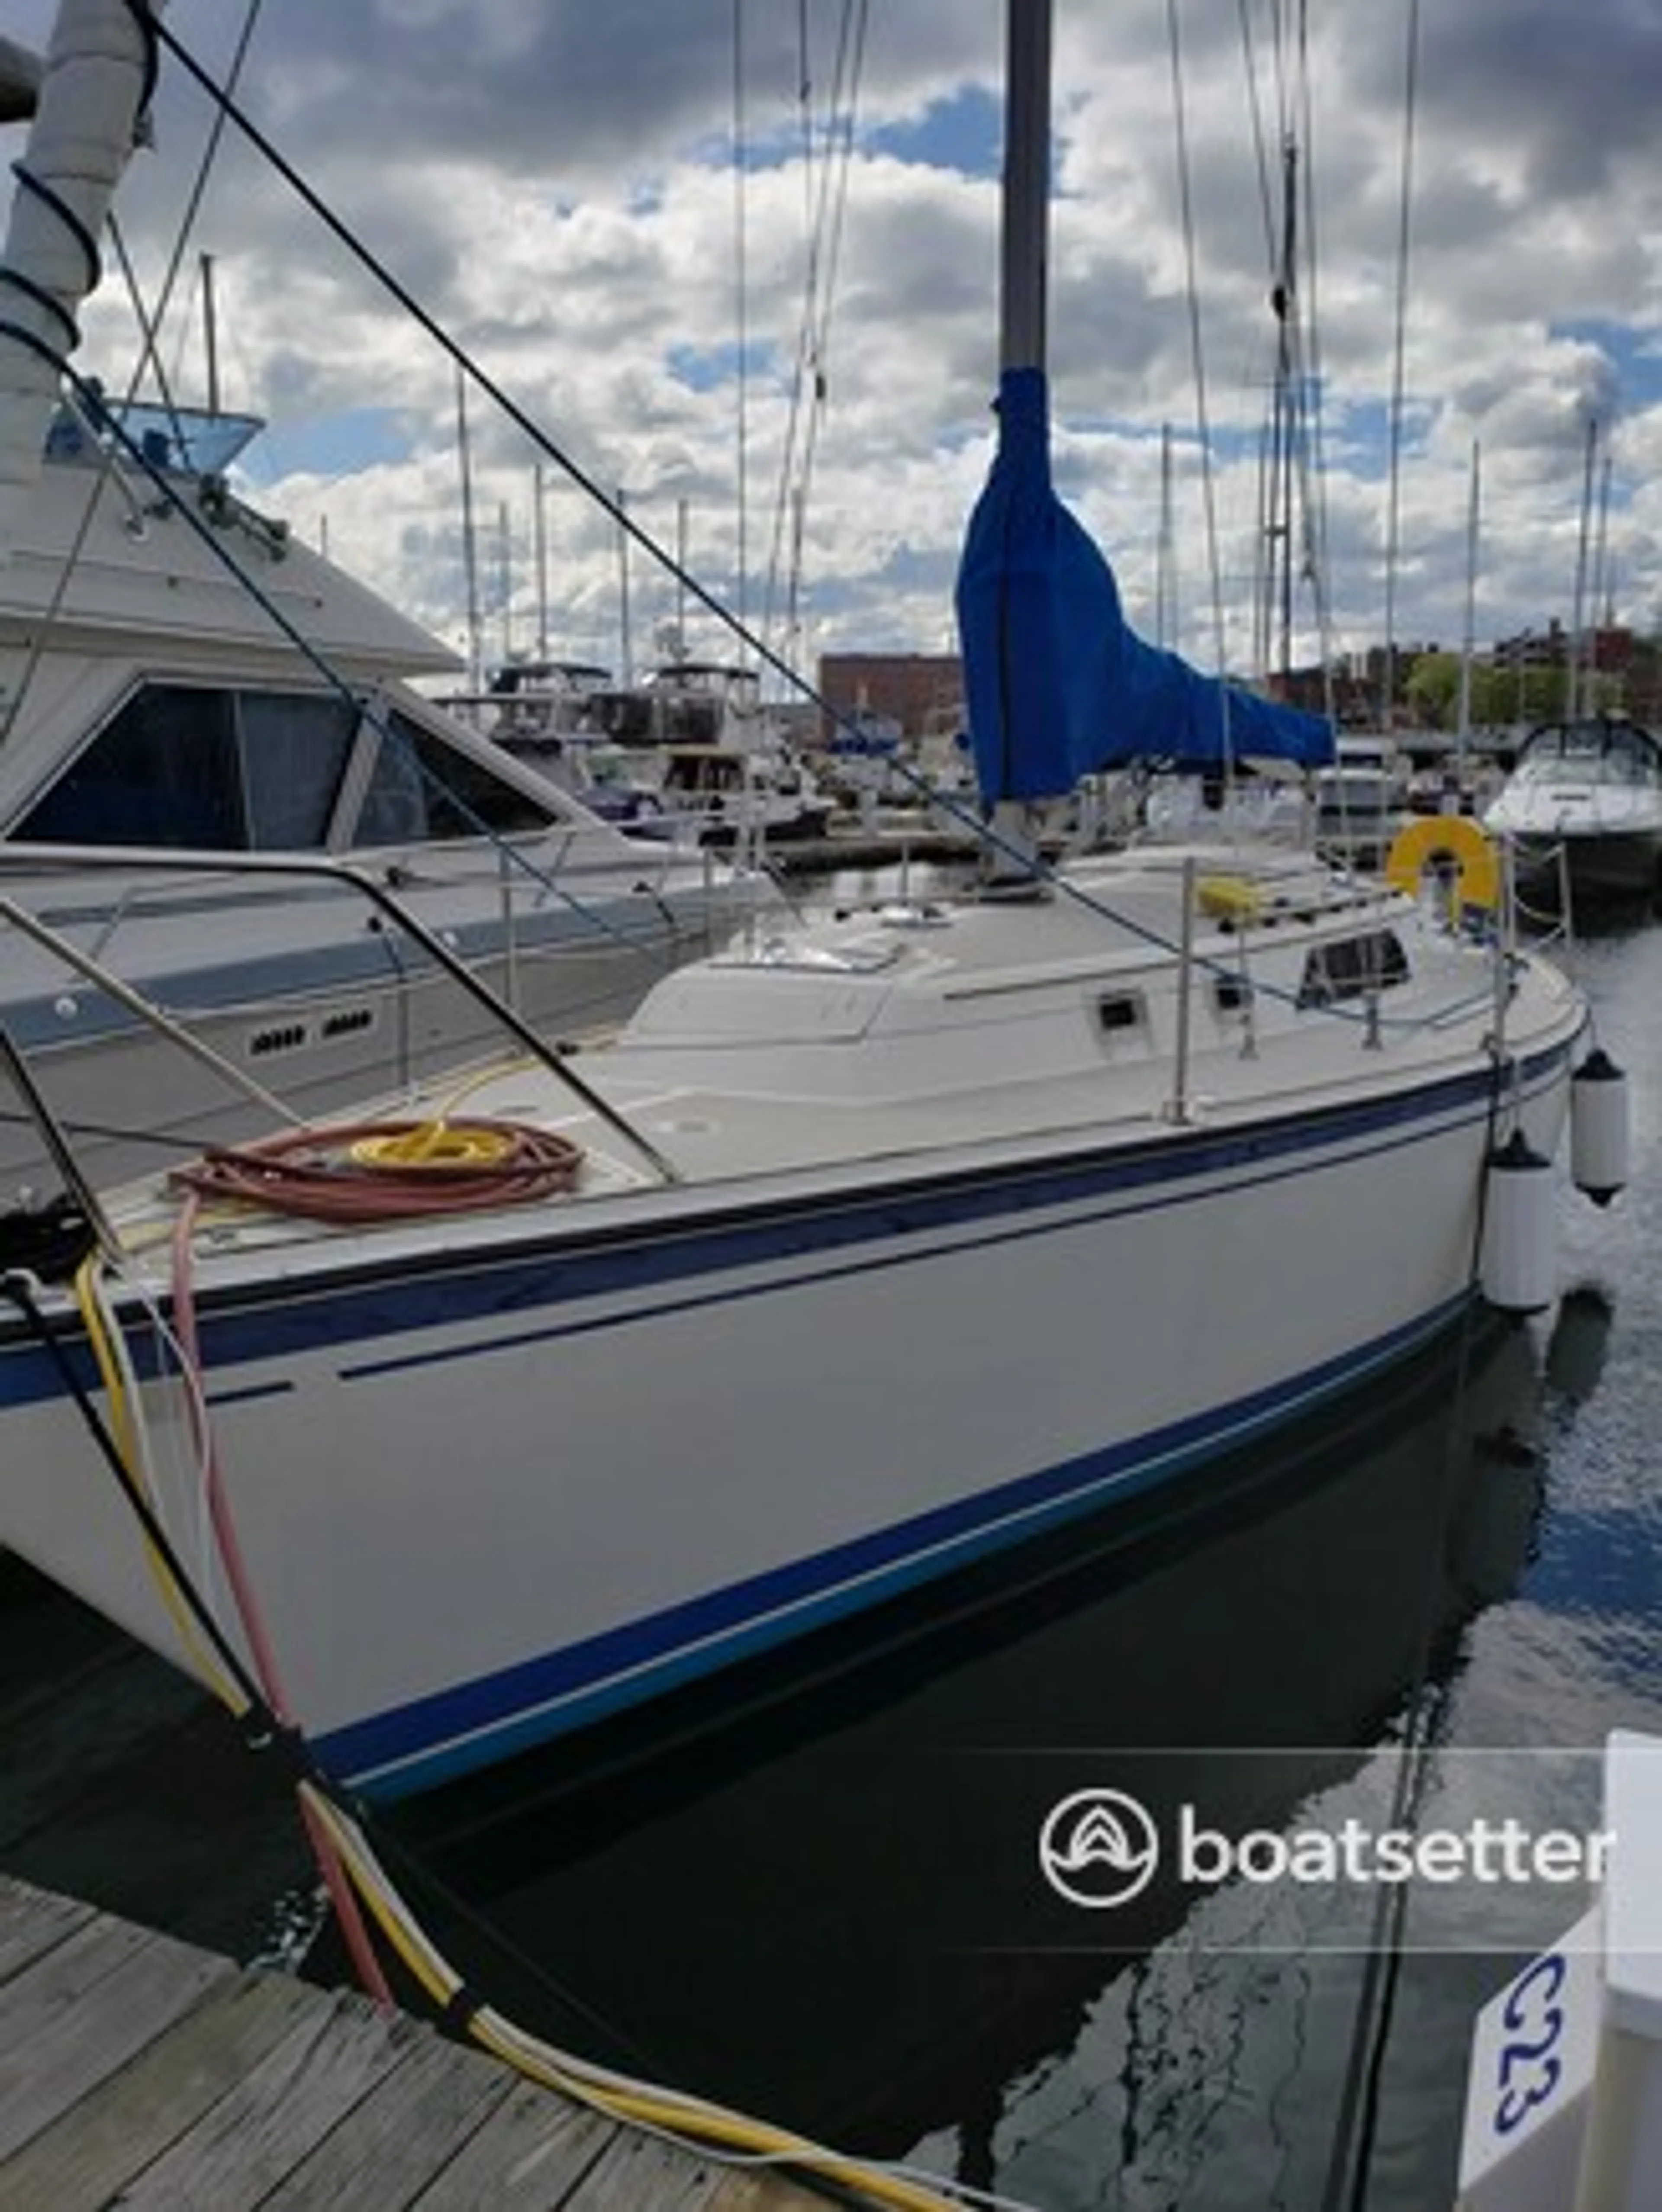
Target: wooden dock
{"points": [[137, 2068]]}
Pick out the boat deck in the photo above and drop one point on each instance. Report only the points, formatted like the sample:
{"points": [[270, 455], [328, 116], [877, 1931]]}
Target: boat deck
{"points": [[141, 2069]]}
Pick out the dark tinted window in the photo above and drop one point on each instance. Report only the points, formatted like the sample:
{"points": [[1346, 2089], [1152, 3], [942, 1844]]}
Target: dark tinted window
{"points": [[294, 754], [1350, 967], [422, 789], [164, 772]]}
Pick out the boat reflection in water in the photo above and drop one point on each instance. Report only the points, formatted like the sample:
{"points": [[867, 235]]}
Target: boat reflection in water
{"points": [[816, 1891]]}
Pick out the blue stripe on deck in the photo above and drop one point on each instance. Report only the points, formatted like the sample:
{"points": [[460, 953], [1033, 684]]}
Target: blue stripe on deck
{"points": [[545, 1269]]}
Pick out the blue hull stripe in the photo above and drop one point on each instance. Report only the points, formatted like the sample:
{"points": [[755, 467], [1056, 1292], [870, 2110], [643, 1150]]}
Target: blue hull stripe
{"points": [[417, 1746], [885, 1259], [540, 1272]]}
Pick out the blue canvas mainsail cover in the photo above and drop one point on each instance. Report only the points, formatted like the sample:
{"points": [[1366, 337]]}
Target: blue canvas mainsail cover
{"points": [[1056, 684]]}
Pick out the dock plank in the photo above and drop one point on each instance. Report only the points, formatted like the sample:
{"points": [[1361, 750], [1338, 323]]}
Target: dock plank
{"points": [[98, 2148], [337, 2050], [412, 2124], [32, 1923], [58, 2047], [532, 2154], [637, 2169], [140, 2070], [763, 2189]]}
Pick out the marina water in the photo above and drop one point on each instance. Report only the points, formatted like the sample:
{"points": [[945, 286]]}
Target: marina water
{"points": [[816, 1892]]}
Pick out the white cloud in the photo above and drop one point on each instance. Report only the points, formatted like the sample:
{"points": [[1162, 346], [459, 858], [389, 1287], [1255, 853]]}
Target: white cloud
{"points": [[553, 181]]}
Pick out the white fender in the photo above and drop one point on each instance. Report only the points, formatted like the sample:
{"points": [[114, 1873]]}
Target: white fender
{"points": [[1518, 1264], [1598, 1127]]}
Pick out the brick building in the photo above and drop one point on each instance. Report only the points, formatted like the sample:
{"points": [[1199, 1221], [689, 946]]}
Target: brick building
{"points": [[922, 692]]}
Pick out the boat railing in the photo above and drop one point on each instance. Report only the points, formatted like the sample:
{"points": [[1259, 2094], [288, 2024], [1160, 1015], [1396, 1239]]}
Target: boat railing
{"points": [[524, 886], [383, 896], [1552, 929]]}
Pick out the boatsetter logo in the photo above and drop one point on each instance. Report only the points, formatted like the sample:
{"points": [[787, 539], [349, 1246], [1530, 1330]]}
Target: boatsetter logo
{"points": [[1097, 1848], [1101, 1848]]}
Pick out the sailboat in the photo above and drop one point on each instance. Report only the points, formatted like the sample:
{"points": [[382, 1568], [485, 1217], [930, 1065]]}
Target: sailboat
{"points": [[183, 686], [869, 1247]]}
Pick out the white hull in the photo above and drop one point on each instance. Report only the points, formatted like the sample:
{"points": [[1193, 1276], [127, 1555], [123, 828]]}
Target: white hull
{"points": [[493, 1487]]}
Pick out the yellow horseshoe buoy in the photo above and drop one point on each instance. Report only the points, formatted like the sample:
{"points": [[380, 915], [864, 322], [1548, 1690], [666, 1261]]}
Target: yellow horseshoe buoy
{"points": [[1444, 842]]}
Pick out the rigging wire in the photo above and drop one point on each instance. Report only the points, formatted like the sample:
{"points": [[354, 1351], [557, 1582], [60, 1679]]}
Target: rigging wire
{"points": [[626, 522], [741, 293], [1313, 501], [117, 442], [827, 165], [1203, 417], [1291, 528]]}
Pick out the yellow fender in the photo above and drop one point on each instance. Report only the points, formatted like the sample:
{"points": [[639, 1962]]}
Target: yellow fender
{"points": [[1445, 841], [1228, 898]]}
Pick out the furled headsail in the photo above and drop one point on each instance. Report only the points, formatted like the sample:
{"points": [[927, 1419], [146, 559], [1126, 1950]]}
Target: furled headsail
{"points": [[1056, 685]]}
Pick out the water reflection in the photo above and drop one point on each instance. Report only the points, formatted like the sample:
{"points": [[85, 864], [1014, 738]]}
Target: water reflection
{"points": [[826, 1905]]}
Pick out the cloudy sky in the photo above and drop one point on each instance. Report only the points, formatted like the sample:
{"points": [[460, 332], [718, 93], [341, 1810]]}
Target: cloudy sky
{"points": [[556, 181]]}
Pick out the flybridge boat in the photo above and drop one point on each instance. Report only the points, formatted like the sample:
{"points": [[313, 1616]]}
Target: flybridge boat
{"points": [[162, 722], [181, 679], [1585, 802], [869, 1246], [689, 754]]}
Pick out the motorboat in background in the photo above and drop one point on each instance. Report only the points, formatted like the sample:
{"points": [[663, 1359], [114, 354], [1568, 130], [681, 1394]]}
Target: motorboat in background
{"points": [[160, 719], [1584, 802], [689, 754], [552, 715], [1361, 801], [183, 682]]}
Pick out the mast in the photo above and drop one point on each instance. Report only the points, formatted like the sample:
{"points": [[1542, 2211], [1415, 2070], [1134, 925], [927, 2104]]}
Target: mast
{"points": [[211, 331], [1572, 707], [1469, 635], [1166, 594], [1274, 650], [505, 577], [470, 542], [539, 545], [1023, 290], [625, 621], [1602, 593]]}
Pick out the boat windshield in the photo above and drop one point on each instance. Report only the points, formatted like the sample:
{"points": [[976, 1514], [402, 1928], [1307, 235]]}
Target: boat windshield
{"points": [[193, 440], [194, 768], [1593, 752]]}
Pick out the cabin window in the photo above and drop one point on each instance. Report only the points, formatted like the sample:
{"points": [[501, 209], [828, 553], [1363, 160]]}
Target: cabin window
{"points": [[1231, 994], [692, 722], [295, 751], [1351, 967], [164, 772], [190, 770], [422, 789], [1118, 1010]]}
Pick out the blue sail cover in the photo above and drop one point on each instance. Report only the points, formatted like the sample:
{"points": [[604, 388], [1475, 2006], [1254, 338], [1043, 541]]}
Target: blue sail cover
{"points": [[1057, 685]]}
